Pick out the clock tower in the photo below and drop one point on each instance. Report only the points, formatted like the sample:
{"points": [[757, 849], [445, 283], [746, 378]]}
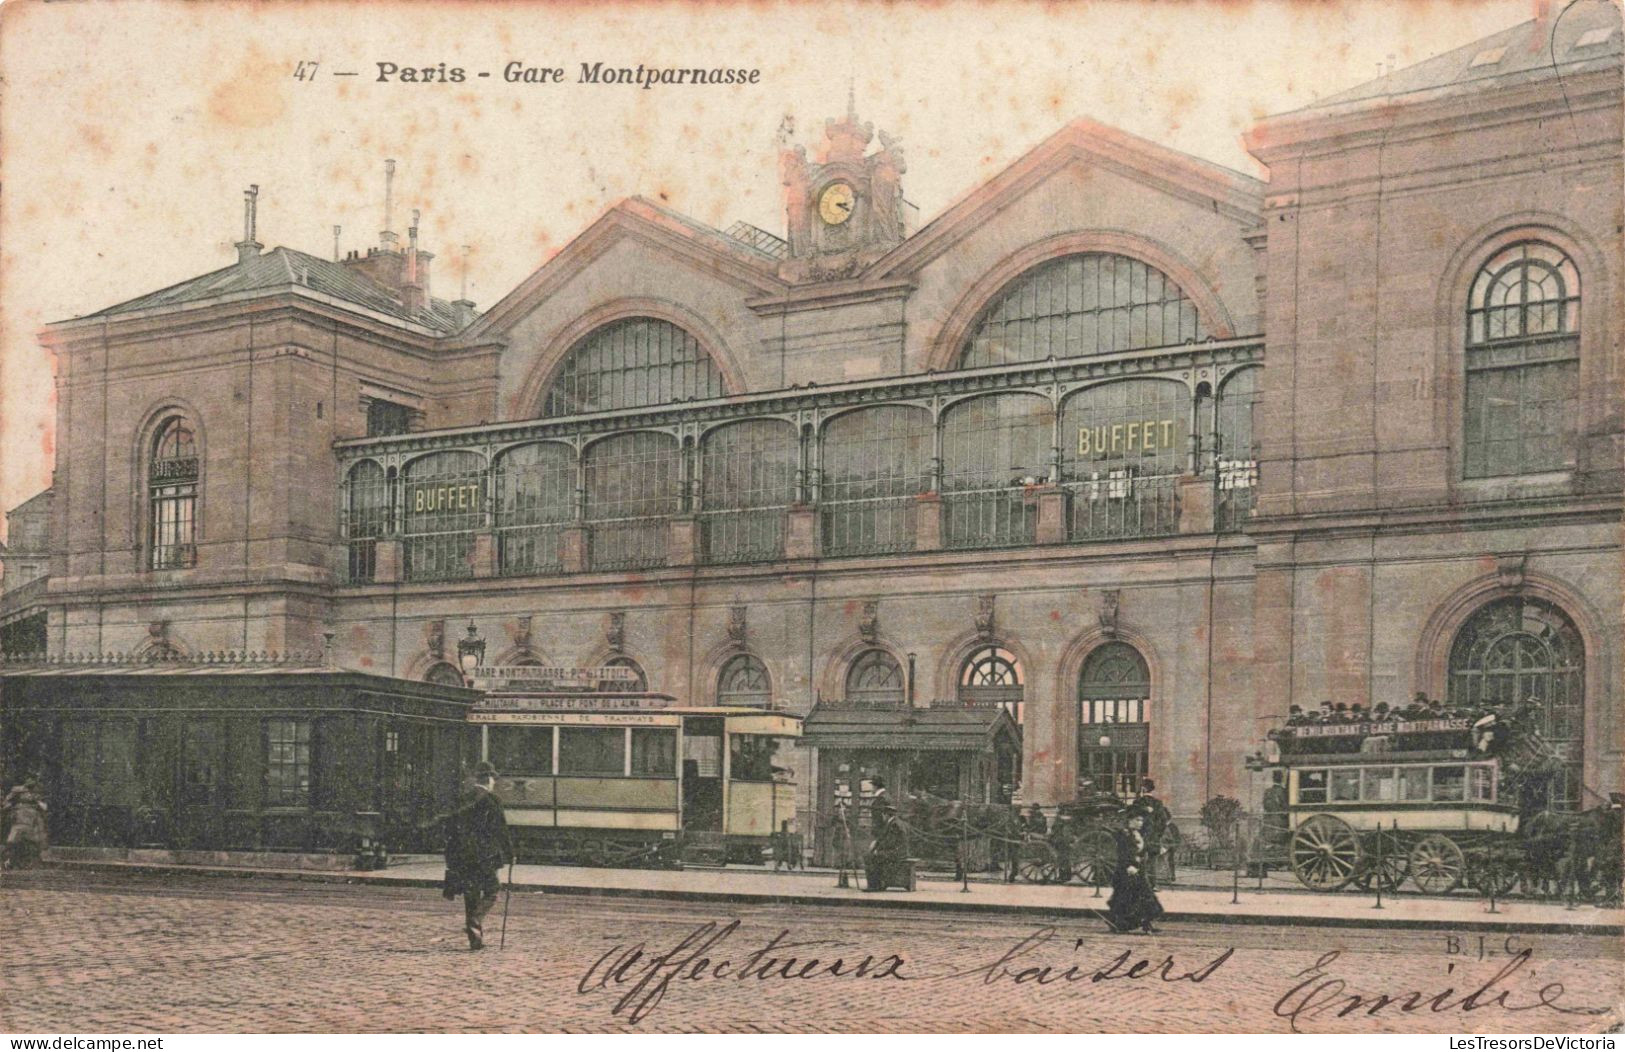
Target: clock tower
{"points": [[845, 208]]}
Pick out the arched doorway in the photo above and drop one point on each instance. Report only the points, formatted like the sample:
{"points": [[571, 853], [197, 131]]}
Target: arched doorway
{"points": [[1523, 649], [1114, 719]]}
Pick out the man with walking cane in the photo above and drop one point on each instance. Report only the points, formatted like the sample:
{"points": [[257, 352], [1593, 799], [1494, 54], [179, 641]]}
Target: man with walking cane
{"points": [[477, 845]]}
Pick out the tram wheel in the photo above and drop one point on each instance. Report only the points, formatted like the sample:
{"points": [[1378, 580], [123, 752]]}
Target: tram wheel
{"points": [[1492, 873], [1325, 853], [1384, 861], [1097, 858], [1437, 864]]}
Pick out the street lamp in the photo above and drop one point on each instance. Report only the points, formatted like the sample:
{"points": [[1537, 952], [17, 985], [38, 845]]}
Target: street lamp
{"points": [[470, 652]]}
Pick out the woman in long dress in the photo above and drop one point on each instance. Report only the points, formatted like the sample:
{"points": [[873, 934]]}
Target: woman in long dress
{"points": [[1133, 905]]}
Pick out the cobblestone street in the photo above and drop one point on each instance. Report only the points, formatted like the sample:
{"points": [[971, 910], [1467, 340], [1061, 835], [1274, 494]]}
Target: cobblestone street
{"points": [[141, 953]]}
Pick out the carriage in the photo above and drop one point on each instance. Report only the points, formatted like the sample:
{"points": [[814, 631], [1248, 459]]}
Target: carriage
{"points": [[633, 778], [1436, 798]]}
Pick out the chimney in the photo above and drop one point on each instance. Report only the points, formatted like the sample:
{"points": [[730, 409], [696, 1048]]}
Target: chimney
{"points": [[336, 231], [248, 248], [1539, 40], [386, 238], [412, 294]]}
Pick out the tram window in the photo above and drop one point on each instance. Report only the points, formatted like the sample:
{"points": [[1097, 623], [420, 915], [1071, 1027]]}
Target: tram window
{"points": [[1379, 784], [1449, 783], [522, 750], [1483, 783], [751, 757], [654, 752], [1311, 787], [1413, 783], [1346, 785], [592, 750]]}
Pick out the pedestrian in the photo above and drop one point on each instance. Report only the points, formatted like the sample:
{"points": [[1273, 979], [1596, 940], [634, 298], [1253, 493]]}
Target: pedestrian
{"points": [[1156, 819], [1133, 905], [890, 844], [25, 810], [477, 847]]}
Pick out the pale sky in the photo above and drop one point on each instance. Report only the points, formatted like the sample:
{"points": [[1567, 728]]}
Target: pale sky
{"points": [[129, 131]]}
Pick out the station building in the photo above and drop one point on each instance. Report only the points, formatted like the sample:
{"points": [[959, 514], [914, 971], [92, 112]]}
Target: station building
{"points": [[1135, 449]]}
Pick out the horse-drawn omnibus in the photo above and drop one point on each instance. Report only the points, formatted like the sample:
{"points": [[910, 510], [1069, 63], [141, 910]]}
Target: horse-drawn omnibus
{"points": [[633, 778], [1437, 798]]}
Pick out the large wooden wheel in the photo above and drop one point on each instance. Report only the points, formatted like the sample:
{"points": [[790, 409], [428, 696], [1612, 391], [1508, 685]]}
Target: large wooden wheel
{"points": [[1325, 853], [1493, 871], [1037, 864], [1437, 864], [1096, 858], [1384, 861]]}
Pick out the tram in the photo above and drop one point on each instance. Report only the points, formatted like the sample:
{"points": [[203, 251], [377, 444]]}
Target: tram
{"points": [[1430, 800], [616, 777]]}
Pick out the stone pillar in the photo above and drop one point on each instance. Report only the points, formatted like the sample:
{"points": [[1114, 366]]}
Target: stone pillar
{"points": [[484, 555], [1051, 514], [683, 541], [928, 522], [388, 565], [801, 532], [1195, 504], [573, 547]]}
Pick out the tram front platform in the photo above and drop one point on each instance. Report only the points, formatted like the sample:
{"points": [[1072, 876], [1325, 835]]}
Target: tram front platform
{"points": [[1201, 895]]}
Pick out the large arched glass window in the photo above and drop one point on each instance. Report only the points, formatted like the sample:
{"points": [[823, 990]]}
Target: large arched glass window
{"points": [[1523, 363], [992, 676], [1123, 447], [744, 681], [1515, 650], [536, 490], [443, 507], [1236, 459], [1114, 719], [628, 363], [366, 517], [1093, 303], [634, 483], [994, 449], [172, 478], [875, 678], [445, 674], [747, 481], [874, 463]]}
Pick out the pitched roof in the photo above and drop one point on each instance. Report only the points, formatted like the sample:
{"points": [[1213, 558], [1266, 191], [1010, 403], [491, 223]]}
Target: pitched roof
{"points": [[1584, 34], [947, 726], [286, 269]]}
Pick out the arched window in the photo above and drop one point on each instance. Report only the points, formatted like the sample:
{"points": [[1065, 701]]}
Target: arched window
{"points": [[874, 462], [1114, 718], [992, 676], [628, 363], [994, 448], [1123, 447], [638, 684], [1236, 459], [634, 481], [1515, 650], [172, 480], [445, 674], [875, 678], [366, 517], [1523, 363], [444, 507], [1093, 303], [536, 492], [747, 481], [744, 681]]}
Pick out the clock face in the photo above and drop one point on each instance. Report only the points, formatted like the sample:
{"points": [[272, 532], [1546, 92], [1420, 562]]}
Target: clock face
{"points": [[835, 203]]}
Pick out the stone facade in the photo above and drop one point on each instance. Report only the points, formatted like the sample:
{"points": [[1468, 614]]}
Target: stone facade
{"points": [[1345, 274]]}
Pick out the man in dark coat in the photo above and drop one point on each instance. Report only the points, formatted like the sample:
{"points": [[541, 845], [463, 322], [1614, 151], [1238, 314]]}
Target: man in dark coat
{"points": [[890, 846], [1133, 905], [477, 847], [1155, 818]]}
